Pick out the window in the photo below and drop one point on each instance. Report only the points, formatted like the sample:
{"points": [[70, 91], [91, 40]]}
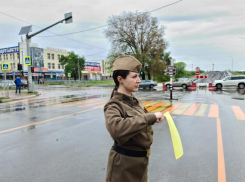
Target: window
{"points": [[58, 66], [58, 57], [0, 58], [53, 56], [13, 57], [18, 55], [62, 66], [14, 66], [49, 65], [3, 57], [53, 66], [235, 78], [10, 56], [11, 65], [6, 56], [48, 55]]}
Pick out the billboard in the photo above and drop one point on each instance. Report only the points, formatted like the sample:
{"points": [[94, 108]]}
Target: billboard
{"points": [[92, 66], [9, 50], [37, 57]]}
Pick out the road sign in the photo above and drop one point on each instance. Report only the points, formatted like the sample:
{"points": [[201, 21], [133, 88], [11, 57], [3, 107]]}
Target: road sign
{"points": [[27, 60], [5, 66], [197, 73], [170, 70], [51, 76], [170, 73], [69, 74], [13, 73], [197, 69], [206, 77], [197, 77], [171, 67]]}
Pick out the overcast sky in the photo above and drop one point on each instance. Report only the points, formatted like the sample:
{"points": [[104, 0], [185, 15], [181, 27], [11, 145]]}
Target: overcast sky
{"points": [[201, 33]]}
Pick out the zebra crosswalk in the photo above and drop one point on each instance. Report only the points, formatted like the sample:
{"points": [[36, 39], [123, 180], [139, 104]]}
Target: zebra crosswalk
{"points": [[187, 109], [192, 109]]}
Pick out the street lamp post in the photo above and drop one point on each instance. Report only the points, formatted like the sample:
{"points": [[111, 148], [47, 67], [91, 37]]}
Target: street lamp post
{"points": [[232, 62], [26, 30]]}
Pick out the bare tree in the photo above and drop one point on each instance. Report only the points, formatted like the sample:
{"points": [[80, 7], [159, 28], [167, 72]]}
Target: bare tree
{"points": [[139, 35]]}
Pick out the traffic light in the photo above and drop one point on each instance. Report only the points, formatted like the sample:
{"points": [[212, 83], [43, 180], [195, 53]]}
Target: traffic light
{"points": [[32, 69], [20, 66], [141, 72]]}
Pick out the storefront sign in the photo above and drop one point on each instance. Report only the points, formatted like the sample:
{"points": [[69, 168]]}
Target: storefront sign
{"points": [[44, 69], [55, 49], [9, 50], [36, 69]]}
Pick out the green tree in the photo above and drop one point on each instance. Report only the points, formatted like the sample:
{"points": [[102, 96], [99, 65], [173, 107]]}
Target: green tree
{"points": [[180, 69], [73, 64], [139, 35]]}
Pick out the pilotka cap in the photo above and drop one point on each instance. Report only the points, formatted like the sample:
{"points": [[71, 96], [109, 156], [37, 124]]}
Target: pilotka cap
{"points": [[129, 63]]}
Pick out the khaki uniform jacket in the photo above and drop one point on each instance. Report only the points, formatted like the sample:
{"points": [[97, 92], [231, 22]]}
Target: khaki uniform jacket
{"points": [[130, 126]]}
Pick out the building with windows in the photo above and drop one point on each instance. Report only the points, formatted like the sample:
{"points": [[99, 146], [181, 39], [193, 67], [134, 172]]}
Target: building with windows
{"points": [[46, 63]]}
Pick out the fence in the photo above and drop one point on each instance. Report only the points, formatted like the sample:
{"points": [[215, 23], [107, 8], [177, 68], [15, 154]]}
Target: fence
{"points": [[77, 82], [4, 89]]}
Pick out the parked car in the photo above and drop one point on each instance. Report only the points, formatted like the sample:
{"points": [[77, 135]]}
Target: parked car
{"points": [[180, 82], [9, 82], [235, 80], [147, 83], [24, 83]]}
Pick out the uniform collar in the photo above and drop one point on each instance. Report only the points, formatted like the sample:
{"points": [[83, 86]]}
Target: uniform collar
{"points": [[131, 100]]}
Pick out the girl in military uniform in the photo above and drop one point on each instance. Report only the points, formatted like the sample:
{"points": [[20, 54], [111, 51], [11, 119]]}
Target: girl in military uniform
{"points": [[129, 124]]}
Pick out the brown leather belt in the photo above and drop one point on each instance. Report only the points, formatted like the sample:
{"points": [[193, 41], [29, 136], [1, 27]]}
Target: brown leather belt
{"points": [[131, 152]]}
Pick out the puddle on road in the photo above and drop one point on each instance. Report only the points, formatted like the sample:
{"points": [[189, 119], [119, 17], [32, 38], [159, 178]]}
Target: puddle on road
{"points": [[37, 103], [31, 127]]}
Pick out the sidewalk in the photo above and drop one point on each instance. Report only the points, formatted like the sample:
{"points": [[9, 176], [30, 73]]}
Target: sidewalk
{"points": [[13, 96]]}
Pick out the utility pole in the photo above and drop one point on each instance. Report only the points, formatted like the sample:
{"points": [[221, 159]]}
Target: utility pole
{"points": [[231, 62], [26, 30], [79, 76]]}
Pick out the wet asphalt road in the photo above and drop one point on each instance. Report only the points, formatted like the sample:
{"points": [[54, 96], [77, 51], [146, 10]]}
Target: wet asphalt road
{"points": [[61, 136]]}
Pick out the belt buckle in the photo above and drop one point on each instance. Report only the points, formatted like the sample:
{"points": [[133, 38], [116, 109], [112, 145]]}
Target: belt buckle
{"points": [[148, 152]]}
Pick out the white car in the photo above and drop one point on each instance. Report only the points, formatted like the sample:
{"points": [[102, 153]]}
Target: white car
{"points": [[235, 80], [3, 83]]}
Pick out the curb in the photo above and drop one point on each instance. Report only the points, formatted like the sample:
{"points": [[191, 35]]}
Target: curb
{"points": [[27, 97]]}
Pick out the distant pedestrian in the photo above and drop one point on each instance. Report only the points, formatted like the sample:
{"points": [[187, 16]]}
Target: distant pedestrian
{"points": [[38, 81], [43, 81], [17, 84]]}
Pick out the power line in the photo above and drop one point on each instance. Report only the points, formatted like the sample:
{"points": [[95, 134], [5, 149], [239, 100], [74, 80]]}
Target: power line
{"points": [[208, 44], [109, 24], [51, 32], [62, 35], [95, 53], [165, 6], [75, 32]]}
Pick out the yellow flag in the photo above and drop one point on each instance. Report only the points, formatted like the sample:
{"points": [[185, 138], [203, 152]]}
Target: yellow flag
{"points": [[177, 145]]}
